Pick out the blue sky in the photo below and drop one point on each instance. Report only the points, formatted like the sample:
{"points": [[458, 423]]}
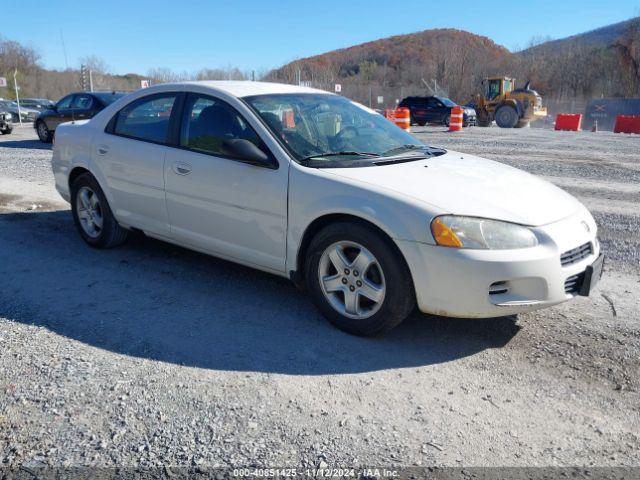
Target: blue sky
{"points": [[134, 36]]}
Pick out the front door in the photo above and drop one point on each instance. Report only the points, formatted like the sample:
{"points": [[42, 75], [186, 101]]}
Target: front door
{"points": [[220, 204], [62, 113], [433, 112]]}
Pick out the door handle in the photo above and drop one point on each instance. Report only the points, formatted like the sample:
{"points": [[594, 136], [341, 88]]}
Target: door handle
{"points": [[182, 168], [103, 149]]}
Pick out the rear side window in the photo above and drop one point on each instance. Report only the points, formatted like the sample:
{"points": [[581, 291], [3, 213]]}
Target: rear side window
{"points": [[82, 102], [146, 118], [207, 122]]}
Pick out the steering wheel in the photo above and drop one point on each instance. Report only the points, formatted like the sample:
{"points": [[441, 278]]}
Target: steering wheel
{"points": [[343, 134]]}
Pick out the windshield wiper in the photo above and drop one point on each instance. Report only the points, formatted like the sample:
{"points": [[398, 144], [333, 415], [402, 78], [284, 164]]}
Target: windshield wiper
{"points": [[401, 148], [337, 154]]}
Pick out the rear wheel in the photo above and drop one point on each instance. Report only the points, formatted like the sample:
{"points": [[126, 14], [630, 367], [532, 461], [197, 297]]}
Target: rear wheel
{"points": [[506, 117], [92, 215], [358, 280], [44, 134]]}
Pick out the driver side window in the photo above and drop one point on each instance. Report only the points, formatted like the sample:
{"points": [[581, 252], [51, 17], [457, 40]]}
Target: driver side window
{"points": [[494, 90], [65, 102], [208, 122]]}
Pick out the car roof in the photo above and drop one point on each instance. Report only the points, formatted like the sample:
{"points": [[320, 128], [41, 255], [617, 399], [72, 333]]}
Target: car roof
{"points": [[247, 88]]}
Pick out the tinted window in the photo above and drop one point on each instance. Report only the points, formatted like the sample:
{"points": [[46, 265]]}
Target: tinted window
{"points": [[109, 97], [65, 102], [207, 122], [433, 103], [447, 102], [146, 119], [82, 102]]}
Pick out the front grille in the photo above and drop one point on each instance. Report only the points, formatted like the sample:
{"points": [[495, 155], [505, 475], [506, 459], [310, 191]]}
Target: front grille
{"points": [[573, 284], [575, 255]]}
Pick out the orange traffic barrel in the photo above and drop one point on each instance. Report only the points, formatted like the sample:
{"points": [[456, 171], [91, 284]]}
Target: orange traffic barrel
{"points": [[455, 120], [403, 118]]}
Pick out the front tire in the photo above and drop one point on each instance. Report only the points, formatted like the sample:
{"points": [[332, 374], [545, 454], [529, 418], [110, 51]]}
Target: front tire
{"points": [[44, 134], [358, 280], [7, 131], [506, 117], [92, 215]]}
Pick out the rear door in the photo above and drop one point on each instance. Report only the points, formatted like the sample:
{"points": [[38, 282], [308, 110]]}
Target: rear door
{"points": [[419, 110], [83, 106], [131, 154]]}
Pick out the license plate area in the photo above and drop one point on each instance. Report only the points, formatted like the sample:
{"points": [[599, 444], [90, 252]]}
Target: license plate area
{"points": [[592, 276]]}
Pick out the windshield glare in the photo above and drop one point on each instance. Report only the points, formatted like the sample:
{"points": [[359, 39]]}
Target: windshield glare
{"points": [[313, 125]]}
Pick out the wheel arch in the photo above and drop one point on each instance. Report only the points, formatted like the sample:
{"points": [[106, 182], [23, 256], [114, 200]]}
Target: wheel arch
{"points": [[76, 172], [298, 275], [79, 168]]}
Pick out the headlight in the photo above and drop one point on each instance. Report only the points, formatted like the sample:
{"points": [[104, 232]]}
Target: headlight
{"points": [[480, 233]]}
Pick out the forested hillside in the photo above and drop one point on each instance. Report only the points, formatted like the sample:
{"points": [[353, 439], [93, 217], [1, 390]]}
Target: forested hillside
{"points": [[604, 62]]}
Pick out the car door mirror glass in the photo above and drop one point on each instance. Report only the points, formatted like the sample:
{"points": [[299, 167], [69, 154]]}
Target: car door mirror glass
{"points": [[246, 151]]}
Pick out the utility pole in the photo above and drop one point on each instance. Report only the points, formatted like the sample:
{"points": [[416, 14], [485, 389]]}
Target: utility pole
{"points": [[84, 78], [90, 80], [15, 83]]}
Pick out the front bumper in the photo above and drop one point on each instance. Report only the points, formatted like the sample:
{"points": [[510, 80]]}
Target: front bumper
{"points": [[469, 118], [492, 283]]}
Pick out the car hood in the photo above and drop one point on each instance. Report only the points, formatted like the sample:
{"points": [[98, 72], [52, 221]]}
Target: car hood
{"points": [[462, 184]]}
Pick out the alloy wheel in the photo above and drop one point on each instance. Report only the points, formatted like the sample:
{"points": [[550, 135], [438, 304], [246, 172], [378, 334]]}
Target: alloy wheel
{"points": [[89, 212], [42, 130], [352, 280]]}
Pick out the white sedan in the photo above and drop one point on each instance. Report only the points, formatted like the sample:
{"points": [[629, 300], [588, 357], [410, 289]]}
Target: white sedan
{"points": [[309, 185]]}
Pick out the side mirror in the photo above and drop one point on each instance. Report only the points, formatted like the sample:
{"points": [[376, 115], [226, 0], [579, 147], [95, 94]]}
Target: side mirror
{"points": [[247, 152]]}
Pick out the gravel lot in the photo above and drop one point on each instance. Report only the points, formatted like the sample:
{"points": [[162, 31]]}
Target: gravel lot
{"points": [[151, 355]]}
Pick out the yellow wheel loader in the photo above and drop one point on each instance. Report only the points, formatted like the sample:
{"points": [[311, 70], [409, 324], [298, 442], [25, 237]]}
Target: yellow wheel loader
{"points": [[510, 107]]}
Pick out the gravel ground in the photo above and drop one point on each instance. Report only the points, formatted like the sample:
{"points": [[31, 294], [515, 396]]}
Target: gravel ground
{"points": [[152, 355]]}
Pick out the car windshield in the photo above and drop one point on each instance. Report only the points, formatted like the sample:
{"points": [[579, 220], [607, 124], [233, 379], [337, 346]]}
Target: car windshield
{"points": [[447, 102], [329, 128]]}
